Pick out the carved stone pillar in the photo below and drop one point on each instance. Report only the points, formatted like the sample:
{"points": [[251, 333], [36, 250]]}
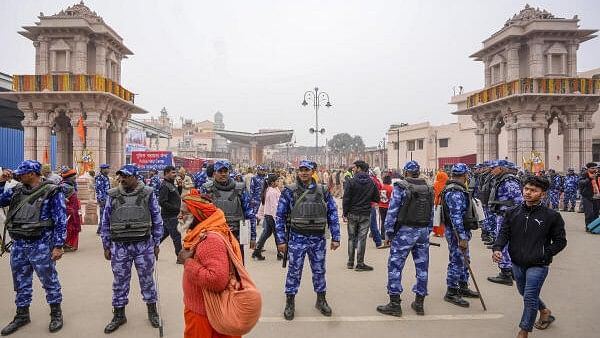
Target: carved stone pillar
{"points": [[524, 136], [80, 55], [571, 143], [102, 153], [490, 136], [76, 114], [121, 149], [92, 135], [487, 72], [536, 62], [43, 130], [585, 140], [42, 64], [510, 125], [29, 130], [100, 57], [572, 59], [512, 62]]}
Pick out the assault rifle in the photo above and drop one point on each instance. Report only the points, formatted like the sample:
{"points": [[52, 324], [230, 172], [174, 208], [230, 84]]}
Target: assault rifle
{"points": [[287, 245]]}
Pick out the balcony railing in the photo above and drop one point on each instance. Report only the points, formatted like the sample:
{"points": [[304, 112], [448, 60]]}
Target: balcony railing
{"points": [[535, 86], [69, 82]]}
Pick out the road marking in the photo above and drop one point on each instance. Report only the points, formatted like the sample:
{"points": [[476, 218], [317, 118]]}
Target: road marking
{"points": [[485, 316]]}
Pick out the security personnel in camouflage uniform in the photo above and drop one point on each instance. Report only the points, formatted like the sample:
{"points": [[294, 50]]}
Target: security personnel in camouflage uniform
{"points": [[102, 186], [304, 211], [408, 224], [154, 181], [37, 222], [506, 192], [554, 189], [231, 197], [131, 231], [459, 218], [256, 186], [570, 190], [488, 225], [201, 177]]}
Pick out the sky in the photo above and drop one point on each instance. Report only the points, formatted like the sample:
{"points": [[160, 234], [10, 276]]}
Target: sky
{"points": [[381, 62]]}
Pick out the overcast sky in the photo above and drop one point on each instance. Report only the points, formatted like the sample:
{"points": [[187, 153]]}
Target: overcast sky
{"points": [[382, 62]]}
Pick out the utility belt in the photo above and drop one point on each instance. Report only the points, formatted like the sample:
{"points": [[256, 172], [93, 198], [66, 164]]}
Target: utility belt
{"points": [[29, 231], [133, 232]]}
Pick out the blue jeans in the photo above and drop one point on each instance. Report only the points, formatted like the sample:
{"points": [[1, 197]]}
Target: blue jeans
{"points": [[374, 227], [529, 283]]}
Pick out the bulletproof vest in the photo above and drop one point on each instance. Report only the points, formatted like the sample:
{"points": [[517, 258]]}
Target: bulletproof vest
{"points": [[485, 188], [470, 216], [130, 220], [493, 201], [417, 209], [229, 200], [309, 214], [23, 219]]}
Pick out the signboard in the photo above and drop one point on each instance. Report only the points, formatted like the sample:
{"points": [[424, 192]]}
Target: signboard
{"points": [[136, 141], [191, 165], [146, 160]]}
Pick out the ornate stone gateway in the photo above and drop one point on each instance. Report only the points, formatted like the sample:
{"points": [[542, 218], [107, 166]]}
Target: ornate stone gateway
{"points": [[531, 82], [75, 92]]}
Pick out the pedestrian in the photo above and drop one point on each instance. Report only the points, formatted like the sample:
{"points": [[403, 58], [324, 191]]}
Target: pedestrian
{"points": [[184, 181], [268, 210], [589, 187], [359, 193], [73, 208], [532, 247], [408, 223], [233, 199], [505, 193], [201, 177], [385, 195], [310, 209], [570, 190], [131, 232], [37, 223], [256, 187], [49, 175], [154, 181], [554, 189], [206, 262], [460, 218], [438, 185], [170, 203], [375, 234], [102, 186]]}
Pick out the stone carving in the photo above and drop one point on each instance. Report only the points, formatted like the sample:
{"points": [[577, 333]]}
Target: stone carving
{"points": [[79, 10], [527, 14]]}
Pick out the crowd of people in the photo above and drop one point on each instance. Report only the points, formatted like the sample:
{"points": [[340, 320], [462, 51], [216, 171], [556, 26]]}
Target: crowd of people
{"points": [[299, 209]]}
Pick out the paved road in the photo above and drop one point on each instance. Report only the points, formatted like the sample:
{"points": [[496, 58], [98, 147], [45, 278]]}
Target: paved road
{"points": [[572, 291]]}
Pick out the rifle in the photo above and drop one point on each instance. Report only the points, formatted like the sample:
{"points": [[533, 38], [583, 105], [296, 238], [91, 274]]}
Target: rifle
{"points": [[287, 245], [160, 318]]}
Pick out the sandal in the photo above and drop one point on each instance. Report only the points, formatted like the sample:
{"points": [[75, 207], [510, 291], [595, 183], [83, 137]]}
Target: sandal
{"points": [[544, 324]]}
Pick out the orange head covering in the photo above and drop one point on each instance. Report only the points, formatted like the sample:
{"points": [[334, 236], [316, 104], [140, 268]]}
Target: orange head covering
{"points": [[438, 185], [211, 219]]}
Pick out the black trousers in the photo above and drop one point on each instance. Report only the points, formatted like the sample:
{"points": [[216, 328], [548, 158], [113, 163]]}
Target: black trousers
{"points": [[591, 209], [268, 230]]}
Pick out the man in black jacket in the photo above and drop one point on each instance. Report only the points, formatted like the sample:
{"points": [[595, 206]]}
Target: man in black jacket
{"points": [[534, 234], [590, 196], [170, 203], [359, 193]]}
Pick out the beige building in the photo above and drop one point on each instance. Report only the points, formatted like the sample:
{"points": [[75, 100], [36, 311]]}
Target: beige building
{"points": [[76, 90]]}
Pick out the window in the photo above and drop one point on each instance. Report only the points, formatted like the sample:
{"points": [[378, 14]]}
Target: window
{"points": [[443, 142], [410, 145], [420, 144]]}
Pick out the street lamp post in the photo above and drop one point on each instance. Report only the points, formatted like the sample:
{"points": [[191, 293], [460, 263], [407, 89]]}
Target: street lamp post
{"points": [[317, 98]]}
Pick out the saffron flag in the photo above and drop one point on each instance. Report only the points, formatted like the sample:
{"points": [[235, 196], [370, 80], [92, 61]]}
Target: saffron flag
{"points": [[46, 157], [81, 129]]}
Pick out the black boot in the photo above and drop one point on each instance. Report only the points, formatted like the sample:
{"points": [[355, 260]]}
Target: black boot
{"points": [[464, 291], [417, 305], [117, 320], [322, 305], [56, 318], [257, 255], [393, 308], [279, 256], [21, 319], [504, 277], [153, 315], [453, 296], [288, 313]]}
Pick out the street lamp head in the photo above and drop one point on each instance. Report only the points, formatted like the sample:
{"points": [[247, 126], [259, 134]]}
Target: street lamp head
{"points": [[312, 130], [328, 104], [322, 131], [304, 103]]}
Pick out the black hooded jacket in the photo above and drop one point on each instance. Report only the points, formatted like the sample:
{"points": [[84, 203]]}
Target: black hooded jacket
{"points": [[359, 193], [534, 235]]}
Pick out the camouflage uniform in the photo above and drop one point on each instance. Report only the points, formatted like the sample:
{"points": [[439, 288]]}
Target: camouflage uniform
{"points": [[155, 184], [102, 186], [509, 190], [28, 255], [554, 190], [140, 253], [570, 189], [456, 203], [199, 179], [407, 240], [256, 186], [299, 245]]}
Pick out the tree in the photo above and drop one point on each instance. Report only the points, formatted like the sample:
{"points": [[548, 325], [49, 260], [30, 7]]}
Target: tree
{"points": [[343, 144]]}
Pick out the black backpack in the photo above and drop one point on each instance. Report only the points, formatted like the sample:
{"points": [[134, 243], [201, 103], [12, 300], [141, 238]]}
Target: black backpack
{"points": [[418, 207], [485, 188]]}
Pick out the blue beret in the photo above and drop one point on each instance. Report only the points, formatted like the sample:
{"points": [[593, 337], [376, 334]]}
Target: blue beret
{"points": [[460, 169], [222, 164], [262, 167], [29, 166], [104, 166], [412, 166], [128, 170], [307, 164]]}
